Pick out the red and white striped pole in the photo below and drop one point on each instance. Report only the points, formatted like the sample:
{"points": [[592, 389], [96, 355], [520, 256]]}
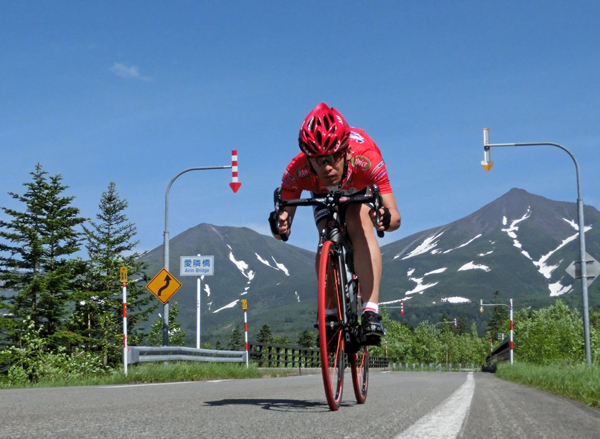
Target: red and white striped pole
{"points": [[235, 184], [511, 331], [386, 349], [124, 280], [402, 307], [245, 306], [491, 345]]}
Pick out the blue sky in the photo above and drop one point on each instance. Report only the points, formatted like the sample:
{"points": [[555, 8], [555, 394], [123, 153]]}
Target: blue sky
{"points": [[135, 92]]}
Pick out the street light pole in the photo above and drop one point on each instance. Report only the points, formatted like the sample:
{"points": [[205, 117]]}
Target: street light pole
{"points": [[487, 164], [235, 185], [511, 322]]}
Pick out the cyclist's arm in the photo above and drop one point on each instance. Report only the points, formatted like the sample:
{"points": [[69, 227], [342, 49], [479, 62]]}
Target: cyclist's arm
{"points": [[388, 200], [285, 222]]}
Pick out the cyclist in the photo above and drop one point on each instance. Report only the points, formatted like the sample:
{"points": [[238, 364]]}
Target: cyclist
{"points": [[337, 157]]}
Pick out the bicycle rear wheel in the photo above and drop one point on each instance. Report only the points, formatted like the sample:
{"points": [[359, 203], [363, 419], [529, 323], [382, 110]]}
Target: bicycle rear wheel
{"points": [[359, 365], [331, 342]]}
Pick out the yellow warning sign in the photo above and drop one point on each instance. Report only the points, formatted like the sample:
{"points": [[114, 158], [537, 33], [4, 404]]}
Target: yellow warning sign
{"points": [[123, 274], [244, 304], [163, 286]]}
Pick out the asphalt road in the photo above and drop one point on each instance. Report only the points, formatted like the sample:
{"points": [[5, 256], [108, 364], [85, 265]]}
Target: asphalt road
{"points": [[400, 404]]}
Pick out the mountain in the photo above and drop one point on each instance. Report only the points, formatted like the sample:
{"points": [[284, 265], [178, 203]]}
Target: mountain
{"points": [[277, 279], [519, 244]]}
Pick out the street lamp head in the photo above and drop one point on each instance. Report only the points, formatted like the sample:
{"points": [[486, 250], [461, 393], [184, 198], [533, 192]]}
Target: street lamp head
{"points": [[486, 163]]}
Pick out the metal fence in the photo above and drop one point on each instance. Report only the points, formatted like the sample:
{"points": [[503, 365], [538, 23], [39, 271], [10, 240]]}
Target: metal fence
{"points": [[143, 354], [269, 355]]}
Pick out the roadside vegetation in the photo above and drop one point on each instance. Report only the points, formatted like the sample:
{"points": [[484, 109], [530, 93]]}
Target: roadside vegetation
{"points": [[578, 382]]}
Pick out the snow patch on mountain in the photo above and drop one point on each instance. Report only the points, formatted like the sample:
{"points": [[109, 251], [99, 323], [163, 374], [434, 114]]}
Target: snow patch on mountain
{"points": [[230, 305], [456, 299], [281, 267], [439, 270], [463, 245], [558, 289], [426, 246], [542, 266], [207, 289], [485, 254], [420, 286], [242, 266], [395, 301], [297, 296], [472, 266]]}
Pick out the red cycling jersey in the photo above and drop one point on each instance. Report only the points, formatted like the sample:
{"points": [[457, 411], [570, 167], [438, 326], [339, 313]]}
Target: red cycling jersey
{"points": [[364, 169]]}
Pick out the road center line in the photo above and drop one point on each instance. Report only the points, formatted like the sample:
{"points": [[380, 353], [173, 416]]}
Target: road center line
{"points": [[446, 420]]}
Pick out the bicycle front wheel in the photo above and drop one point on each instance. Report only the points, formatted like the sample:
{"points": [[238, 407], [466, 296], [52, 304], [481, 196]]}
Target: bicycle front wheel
{"points": [[359, 361], [331, 334]]}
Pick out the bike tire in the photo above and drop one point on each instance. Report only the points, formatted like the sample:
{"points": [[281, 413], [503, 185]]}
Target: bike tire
{"points": [[359, 365], [332, 350], [359, 362]]}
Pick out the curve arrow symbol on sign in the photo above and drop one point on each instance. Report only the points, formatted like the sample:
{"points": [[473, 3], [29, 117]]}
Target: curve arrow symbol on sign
{"points": [[167, 281]]}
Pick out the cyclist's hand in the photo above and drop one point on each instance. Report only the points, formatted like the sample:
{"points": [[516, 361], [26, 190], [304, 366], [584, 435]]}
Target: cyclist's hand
{"points": [[384, 219], [284, 224]]}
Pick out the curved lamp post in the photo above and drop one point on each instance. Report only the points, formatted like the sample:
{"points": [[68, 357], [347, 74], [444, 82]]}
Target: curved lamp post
{"points": [[487, 164], [235, 185]]}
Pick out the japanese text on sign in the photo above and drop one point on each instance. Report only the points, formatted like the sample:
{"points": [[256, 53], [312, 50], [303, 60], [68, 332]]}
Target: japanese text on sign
{"points": [[197, 265]]}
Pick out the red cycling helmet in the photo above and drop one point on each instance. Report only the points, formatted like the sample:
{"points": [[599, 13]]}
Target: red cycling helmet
{"points": [[323, 132]]}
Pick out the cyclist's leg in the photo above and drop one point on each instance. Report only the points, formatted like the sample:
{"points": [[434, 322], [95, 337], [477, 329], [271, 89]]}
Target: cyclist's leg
{"points": [[367, 264], [367, 255]]}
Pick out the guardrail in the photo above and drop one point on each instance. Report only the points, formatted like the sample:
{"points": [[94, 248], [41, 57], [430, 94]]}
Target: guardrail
{"points": [[270, 355], [501, 353], [143, 354]]}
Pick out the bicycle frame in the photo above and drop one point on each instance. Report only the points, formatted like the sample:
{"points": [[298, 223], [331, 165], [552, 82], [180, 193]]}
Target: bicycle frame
{"points": [[336, 204]]}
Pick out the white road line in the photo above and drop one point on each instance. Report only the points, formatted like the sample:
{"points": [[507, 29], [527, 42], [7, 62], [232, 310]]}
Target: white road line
{"points": [[146, 384], [446, 420]]}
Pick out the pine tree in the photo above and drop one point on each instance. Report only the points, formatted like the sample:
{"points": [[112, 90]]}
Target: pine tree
{"points": [[306, 339], [176, 336], [236, 339], [98, 308], [265, 335], [36, 262]]}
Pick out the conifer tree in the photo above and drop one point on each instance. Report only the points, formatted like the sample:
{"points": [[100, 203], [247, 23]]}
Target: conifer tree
{"points": [[98, 308], [265, 335], [36, 262], [176, 335], [236, 339]]}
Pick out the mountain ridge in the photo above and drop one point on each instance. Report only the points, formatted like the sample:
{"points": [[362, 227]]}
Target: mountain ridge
{"points": [[519, 244]]}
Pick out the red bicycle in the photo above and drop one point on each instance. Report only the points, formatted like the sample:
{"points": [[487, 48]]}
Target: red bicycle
{"points": [[339, 300]]}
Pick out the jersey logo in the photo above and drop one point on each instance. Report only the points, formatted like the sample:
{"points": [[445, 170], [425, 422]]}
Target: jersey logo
{"points": [[303, 173], [361, 162], [357, 137]]}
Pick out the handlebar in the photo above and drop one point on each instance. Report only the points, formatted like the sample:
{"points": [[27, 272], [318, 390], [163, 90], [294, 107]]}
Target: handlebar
{"points": [[331, 200]]}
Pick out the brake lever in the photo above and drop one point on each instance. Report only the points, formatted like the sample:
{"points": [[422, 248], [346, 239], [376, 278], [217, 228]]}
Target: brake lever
{"points": [[377, 205], [279, 210]]}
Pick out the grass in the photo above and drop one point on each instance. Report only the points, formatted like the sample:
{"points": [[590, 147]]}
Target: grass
{"points": [[156, 373], [578, 382]]}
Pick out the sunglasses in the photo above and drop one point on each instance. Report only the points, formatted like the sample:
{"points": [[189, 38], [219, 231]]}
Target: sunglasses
{"points": [[328, 159]]}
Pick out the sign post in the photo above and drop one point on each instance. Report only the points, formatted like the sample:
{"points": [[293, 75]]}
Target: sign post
{"points": [[197, 266], [245, 306], [123, 274]]}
